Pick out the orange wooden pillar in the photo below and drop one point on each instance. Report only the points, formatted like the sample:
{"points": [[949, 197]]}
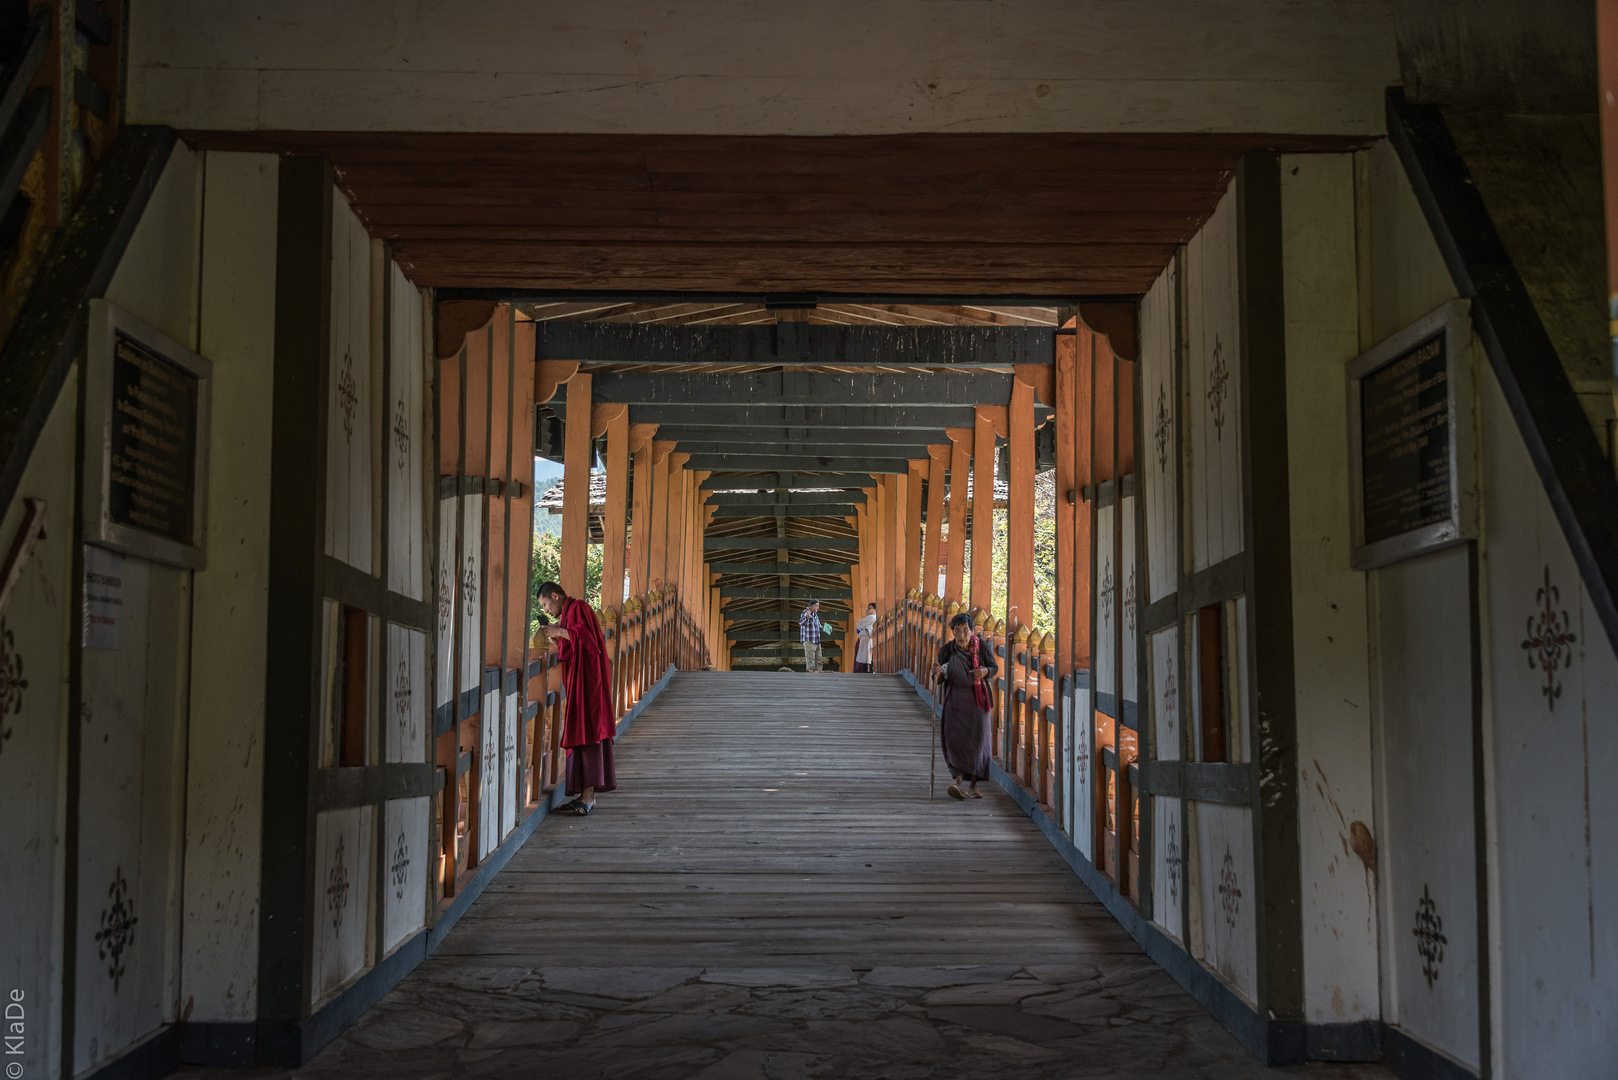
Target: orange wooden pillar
{"points": [[657, 536], [983, 507], [912, 525], [1067, 490], [1083, 414], [932, 553], [576, 486], [1020, 508], [614, 525], [955, 557], [640, 512]]}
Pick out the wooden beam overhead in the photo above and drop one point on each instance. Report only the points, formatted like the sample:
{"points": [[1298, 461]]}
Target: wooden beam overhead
{"points": [[796, 343], [803, 388], [717, 462], [963, 214], [786, 543]]}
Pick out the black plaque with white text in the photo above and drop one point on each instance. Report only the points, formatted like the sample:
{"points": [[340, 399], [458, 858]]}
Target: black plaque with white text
{"points": [[152, 479], [1405, 442]]}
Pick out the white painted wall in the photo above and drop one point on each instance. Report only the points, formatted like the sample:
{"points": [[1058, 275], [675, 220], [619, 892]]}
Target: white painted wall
{"points": [[225, 785], [756, 67], [36, 633], [1329, 632], [135, 700], [1552, 693]]}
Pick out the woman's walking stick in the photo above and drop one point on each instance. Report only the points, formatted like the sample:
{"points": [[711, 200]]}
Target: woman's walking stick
{"points": [[932, 768]]}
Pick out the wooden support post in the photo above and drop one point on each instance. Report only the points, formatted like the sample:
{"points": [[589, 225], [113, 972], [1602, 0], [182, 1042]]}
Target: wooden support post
{"points": [[640, 517], [1067, 492], [1020, 508], [960, 464], [658, 534], [877, 512], [1083, 515], [576, 487], [983, 509], [912, 525], [932, 553], [613, 523]]}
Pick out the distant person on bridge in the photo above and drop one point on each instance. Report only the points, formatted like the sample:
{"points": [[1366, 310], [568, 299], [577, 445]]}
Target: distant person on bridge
{"points": [[862, 643], [590, 725], [809, 634], [965, 665]]}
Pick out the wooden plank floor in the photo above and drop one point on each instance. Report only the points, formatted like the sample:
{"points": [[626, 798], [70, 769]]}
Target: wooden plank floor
{"points": [[770, 893]]}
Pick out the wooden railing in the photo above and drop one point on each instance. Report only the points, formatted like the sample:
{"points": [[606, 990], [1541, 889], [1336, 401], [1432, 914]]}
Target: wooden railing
{"points": [[652, 632], [1026, 732]]}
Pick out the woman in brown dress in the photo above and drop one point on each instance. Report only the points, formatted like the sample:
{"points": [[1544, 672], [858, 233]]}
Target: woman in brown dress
{"points": [[965, 665]]}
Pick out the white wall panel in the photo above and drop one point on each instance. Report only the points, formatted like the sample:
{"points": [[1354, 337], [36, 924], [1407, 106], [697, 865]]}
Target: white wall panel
{"points": [[343, 878], [1426, 857], [1082, 768], [348, 417], [405, 737], [1168, 865], [508, 764], [33, 713], [1167, 680], [1213, 388], [1228, 896], [1129, 622], [407, 849], [1160, 416], [1106, 601], [489, 774], [409, 438], [1554, 684], [471, 593], [449, 593], [229, 656], [128, 858]]}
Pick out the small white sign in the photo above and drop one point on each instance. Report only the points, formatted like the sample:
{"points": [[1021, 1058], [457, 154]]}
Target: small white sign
{"points": [[103, 598]]}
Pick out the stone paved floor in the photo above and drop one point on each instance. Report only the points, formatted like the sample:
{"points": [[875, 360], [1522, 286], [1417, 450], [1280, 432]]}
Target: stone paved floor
{"points": [[771, 894]]}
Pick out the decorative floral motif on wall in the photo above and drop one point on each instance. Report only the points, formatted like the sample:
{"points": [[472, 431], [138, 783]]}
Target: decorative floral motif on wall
{"points": [[348, 397], [1129, 603], [1550, 639], [1230, 895], [469, 587], [337, 888], [1430, 939], [117, 931], [12, 683], [399, 868], [1171, 696], [401, 433], [446, 602], [401, 701], [1218, 386], [1171, 853], [1106, 595], [1164, 426]]}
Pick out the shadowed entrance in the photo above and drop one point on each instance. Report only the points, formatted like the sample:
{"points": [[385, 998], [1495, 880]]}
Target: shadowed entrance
{"points": [[770, 893]]}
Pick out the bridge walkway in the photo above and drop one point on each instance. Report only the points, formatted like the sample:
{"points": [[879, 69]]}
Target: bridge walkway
{"points": [[771, 894]]}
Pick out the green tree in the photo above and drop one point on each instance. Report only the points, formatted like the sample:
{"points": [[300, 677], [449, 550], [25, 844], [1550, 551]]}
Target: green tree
{"points": [[547, 566]]}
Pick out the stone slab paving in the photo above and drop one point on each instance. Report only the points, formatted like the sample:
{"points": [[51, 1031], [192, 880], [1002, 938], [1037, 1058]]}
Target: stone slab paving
{"points": [[772, 894]]}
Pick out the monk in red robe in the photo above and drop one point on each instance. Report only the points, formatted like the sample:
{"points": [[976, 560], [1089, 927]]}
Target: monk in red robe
{"points": [[588, 731]]}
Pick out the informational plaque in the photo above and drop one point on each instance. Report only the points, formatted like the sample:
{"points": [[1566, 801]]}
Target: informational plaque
{"points": [[146, 455], [152, 484], [1407, 435]]}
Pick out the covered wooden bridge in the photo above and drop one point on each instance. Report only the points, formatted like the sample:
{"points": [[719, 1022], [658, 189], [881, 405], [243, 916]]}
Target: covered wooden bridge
{"points": [[1240, 369]]}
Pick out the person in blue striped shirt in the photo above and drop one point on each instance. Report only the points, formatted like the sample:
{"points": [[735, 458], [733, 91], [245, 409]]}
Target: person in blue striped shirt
{"points": [[809, 634]]}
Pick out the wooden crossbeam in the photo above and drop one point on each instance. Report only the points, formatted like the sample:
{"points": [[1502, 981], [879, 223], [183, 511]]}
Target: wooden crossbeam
{"points": [[780, 567], [797, 343], [794, 510], [806, 388], [789, 543], [789, 594]]}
